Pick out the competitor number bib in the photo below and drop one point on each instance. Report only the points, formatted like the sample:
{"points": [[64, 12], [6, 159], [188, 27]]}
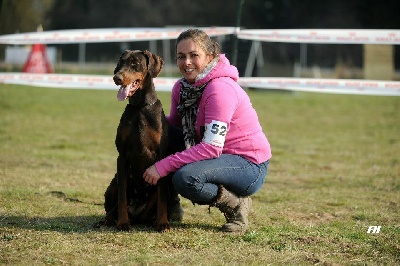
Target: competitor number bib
{"points": [[215, 133]]}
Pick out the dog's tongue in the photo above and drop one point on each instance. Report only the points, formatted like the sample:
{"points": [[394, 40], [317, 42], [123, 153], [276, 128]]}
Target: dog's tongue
{"points": [[123, 93]]}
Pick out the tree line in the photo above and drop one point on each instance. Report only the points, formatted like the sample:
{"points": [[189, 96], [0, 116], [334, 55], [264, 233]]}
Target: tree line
{"points": [[26, 15]]}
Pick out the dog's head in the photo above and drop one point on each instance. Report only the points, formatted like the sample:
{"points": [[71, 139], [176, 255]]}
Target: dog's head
{"points": [[131, 70]]}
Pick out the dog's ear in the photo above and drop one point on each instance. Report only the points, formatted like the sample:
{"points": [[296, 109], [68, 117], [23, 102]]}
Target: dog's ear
{"points": [[155, 63]]}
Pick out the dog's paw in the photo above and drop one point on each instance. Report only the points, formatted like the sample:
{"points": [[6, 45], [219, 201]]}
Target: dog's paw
{"points": [[124, 226], [162, 228]]}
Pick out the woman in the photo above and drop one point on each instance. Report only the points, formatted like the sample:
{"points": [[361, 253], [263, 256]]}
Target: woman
{"points": [[227, 154]]}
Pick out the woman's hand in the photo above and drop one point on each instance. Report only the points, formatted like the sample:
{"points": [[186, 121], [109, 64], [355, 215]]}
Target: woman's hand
{"points": [[151, 175]]}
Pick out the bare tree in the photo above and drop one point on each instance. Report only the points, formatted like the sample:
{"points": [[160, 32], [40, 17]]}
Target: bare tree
{"points": [[22, 15]]}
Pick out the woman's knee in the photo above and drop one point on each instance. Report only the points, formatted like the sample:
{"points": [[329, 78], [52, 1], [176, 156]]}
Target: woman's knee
{"points": [[183, 182], [192, 188], [176, 181]]}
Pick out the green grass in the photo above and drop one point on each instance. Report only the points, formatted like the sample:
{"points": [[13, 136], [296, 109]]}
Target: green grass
{"points": [[335, 171]]}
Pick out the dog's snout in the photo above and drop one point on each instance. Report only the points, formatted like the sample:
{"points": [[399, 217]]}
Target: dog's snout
{"points": [[117, 79]]}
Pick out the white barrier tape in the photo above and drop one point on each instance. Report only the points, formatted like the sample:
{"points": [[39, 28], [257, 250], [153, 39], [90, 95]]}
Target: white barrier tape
{"points": [[102, 82], [350, 36], [339, 86], [323, 36], [104, 35], [71, 81]]}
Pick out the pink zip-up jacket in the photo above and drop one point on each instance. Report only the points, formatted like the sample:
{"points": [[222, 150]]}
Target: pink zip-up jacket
{"points": [[226, 122]]}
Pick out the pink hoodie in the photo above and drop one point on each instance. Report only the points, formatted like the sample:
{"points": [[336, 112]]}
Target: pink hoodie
{"points": [[223, 102]]}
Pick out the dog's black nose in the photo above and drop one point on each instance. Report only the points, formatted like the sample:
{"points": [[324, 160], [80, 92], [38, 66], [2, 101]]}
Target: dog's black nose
{"points": [[117, 79]]}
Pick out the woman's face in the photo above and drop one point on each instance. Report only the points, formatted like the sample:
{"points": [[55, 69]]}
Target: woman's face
{"points": [[191, 59]]}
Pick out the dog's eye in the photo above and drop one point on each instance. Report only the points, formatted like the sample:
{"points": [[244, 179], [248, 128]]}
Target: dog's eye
{"points": [[135, 64]]}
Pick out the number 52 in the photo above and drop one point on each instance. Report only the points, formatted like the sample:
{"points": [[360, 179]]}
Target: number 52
{"points": [[217, 129]]}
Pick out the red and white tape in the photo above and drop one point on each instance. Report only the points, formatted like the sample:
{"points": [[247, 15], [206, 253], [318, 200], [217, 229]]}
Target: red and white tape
{"points": [[74, 81], [340, 86], [350, 36], [104, 35], [102, 82], [366, 87]]}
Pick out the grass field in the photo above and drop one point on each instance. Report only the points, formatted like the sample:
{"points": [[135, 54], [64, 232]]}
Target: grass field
{"points": [[335, 171]]}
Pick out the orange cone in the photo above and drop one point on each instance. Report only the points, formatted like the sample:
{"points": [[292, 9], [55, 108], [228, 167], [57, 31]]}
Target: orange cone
{"points": [[37, 60]]}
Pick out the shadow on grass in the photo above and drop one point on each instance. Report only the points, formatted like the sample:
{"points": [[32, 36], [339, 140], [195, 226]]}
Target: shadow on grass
{"points": [[84, 224]]}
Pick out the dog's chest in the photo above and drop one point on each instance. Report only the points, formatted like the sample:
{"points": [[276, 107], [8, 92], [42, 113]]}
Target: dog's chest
{"points": [[137, 129]]}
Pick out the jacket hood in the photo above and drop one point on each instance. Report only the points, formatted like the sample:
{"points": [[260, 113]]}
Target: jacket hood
{"points": [[222, 68]]}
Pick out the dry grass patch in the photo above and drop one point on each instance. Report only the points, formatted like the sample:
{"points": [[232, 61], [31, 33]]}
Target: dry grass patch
{"points": [[335, 172]]}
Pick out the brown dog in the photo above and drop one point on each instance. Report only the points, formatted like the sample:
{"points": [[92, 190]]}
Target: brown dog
{"points": [[142, 139]]}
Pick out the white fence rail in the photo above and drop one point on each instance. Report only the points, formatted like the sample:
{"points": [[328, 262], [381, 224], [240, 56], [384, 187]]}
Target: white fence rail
{"points": [[365, 87]]}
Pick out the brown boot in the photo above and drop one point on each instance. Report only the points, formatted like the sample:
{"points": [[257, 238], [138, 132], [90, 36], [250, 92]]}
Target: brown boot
{"points": [[235, 209]]}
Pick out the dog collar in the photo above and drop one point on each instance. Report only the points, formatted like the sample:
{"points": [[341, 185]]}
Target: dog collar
{"points": [[144, 105]]}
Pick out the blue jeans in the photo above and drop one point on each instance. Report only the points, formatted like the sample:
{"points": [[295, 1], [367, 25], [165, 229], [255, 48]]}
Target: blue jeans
{"points": [[198, 181]]}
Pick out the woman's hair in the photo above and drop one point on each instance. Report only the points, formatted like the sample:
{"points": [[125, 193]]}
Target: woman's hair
{"points": [[199, 37]]}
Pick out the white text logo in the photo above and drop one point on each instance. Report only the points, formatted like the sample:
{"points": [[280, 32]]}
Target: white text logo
{"points": [[374, 229]]}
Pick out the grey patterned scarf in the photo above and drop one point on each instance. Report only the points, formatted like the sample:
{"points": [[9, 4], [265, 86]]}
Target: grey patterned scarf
{"points": [[188, 108], [188, 104]]}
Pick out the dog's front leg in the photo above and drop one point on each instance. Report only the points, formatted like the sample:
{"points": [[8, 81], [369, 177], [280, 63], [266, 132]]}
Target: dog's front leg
{"points": [[122, 172], [162, 224]]}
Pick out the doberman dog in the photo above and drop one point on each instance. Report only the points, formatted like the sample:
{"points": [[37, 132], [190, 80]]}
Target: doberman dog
{"points": [[141, 140]]}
